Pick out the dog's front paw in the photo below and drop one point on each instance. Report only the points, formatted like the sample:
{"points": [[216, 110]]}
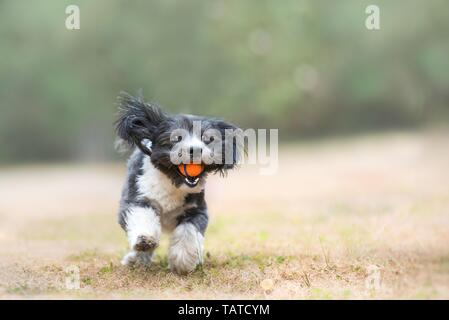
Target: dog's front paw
{"points": [[142, 248], [137, 258], [145, 243], [183, 262], [186, 249], [143, 229]]}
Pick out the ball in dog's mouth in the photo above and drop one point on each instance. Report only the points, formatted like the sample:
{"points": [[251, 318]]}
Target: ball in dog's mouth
{"points": [[191, 172]]}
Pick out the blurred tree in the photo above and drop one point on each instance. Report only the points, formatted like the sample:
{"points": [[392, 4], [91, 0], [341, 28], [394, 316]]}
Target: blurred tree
{"points": [[306, 67]]}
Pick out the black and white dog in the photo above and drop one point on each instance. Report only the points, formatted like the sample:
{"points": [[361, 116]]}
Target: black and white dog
{"points": [[156, 197]]}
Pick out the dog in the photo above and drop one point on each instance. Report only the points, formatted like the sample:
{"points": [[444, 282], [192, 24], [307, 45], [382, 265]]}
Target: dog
{"points": [[157, 197]]}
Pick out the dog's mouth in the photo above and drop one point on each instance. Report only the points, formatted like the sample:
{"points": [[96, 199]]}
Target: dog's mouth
{"points": [[191, 181]]}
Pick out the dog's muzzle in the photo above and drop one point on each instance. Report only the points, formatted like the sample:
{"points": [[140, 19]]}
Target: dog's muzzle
{"points": [[191, 181]]}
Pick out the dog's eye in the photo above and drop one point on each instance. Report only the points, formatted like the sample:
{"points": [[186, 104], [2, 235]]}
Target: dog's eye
{"points": [[176, 138], [208, 140]]}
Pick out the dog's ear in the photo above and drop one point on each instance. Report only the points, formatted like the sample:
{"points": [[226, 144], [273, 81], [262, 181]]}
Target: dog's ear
{"points": [[232, 144], [137, 121]]}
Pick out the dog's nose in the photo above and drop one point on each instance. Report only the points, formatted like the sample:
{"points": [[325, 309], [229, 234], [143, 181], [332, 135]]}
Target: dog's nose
{"points": [[195, 154]]}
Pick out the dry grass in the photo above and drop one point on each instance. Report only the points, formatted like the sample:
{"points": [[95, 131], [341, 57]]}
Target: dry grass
{"points": [[336, 211]]}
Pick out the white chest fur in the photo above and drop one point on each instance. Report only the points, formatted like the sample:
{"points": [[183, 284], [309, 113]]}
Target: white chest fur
{"points": [[156, 186]]}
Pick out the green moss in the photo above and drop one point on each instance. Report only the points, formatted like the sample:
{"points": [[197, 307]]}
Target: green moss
{"points": [[106, 269]]}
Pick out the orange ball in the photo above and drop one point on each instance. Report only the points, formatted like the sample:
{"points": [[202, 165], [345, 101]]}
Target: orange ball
{"points": [[191, 170]]}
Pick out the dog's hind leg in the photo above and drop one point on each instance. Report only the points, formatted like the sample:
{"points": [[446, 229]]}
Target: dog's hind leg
{"points": [[143, 228]]}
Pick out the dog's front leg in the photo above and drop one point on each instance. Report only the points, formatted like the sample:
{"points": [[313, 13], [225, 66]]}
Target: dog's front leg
{"points": [[186, 243], [143, 228]]}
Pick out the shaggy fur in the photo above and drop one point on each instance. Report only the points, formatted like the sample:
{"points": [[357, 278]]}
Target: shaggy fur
{"points": [[156, 197]]}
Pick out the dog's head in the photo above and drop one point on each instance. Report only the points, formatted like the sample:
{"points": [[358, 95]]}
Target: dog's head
{"points": [[174, 140]]}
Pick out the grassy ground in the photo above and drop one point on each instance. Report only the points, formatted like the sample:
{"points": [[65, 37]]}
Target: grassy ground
{"points": [[365, 217]]}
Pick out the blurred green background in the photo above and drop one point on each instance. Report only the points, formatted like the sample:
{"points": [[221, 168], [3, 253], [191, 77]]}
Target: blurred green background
{"points": [[309, 68]]}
